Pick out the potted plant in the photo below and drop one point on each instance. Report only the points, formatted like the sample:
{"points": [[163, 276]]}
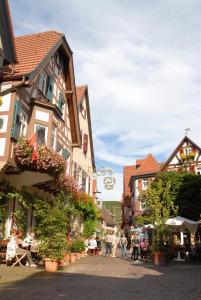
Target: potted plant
{"points": [[51, 230], [159, 207]]}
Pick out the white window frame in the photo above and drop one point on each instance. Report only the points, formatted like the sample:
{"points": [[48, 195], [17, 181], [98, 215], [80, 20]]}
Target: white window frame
{"points": [[187, 150], [144, 184], [46, 131], [54, 136], [24, 123]]}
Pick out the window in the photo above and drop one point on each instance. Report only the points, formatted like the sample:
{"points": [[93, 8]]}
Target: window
{"points": [[82, 111], [85, 143], [50, 86], [23, 123], [187, 150], [75, 171], [16, 124], [54, 137], [144, 184], [59, 148], [41, 134], [84, 177], [42, 82], [61, 102]]}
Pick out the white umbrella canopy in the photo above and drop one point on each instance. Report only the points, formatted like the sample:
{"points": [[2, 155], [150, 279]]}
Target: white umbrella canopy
{"points": [[182, 224]]}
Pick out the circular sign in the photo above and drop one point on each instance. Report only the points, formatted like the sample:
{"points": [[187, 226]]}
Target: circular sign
{"points": [[109, 182]]}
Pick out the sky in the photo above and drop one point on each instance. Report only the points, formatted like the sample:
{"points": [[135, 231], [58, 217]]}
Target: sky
{"points": [[141, 60]]}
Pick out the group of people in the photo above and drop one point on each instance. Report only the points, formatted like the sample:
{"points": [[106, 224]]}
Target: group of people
{"points": [[138, 247], [19, 246]]}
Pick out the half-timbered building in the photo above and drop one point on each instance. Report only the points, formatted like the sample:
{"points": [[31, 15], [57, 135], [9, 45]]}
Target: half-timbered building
{"points": [[38, 103]]}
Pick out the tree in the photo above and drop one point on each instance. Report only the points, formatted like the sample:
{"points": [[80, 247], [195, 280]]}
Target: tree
{"points": [[160, 206]]}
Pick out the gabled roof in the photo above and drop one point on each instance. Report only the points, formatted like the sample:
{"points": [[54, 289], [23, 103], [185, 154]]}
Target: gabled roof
{"points": [[128, 171], [107, 217], [32, 50], [82, 91], [184, 140], [149, 165]]}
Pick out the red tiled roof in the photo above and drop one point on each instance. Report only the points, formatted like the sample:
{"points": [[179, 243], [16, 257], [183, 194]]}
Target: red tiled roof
{"points": [[139, 162], [32, 49], [80, 90], [128, 171], [149, 165]]}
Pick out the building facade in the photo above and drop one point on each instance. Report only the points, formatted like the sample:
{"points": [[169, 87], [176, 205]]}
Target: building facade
{"points": [[185, 157], [83, 157], [39, 105]]}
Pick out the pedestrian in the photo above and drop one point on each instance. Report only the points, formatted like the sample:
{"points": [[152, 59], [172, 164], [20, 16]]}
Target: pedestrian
{"points": [[123, 244], [143, 249], [135, 247], [92, 245], [108, 244], [98, 248], [114, 244]]}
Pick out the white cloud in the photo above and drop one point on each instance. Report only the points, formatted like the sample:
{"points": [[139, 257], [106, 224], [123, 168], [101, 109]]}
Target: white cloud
{"points": [[141, 61]]}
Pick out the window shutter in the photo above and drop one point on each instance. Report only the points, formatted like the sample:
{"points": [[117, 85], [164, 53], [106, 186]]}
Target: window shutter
{"points": [[85, 143], [65, 153], [15, 129], [50, 85]]}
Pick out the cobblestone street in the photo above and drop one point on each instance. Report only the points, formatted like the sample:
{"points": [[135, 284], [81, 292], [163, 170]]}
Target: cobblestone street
{"points": [[101, 278]]}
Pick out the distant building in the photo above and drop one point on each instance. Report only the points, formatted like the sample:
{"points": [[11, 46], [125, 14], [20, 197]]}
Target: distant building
{"points": [[185, 157]]}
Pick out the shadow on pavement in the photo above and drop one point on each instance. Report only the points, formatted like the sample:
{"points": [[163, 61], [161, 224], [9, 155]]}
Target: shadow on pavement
{"points": [[167, 284]]}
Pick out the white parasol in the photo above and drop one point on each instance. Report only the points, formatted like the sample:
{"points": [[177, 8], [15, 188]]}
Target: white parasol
{"points": [[182, 224]]}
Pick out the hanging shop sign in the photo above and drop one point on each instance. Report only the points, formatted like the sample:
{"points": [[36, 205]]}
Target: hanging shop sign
{"points": [[109, 182]]}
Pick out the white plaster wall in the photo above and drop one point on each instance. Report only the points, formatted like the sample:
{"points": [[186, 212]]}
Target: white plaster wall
{"points": [[42, 116], [174, 160], [2, 146], [6, 103], [4, 123]]}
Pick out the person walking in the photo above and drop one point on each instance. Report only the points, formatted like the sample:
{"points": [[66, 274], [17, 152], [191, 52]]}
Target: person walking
{"points": [[114, 244], [135, 245], [108, 244], [123, 244]]}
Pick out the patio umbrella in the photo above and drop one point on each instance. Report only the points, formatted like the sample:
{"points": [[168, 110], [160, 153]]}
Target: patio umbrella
{"points": [[182, 223]]}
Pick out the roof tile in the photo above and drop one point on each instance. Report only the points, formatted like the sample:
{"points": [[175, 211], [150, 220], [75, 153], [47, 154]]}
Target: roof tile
{"points": [[31, 50]]}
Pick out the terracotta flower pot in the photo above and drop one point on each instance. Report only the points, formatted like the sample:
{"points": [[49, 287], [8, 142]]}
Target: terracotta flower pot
{"points": [[65, 261], [78, 255], [160, 259], [51, 265], [72, 257]]}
